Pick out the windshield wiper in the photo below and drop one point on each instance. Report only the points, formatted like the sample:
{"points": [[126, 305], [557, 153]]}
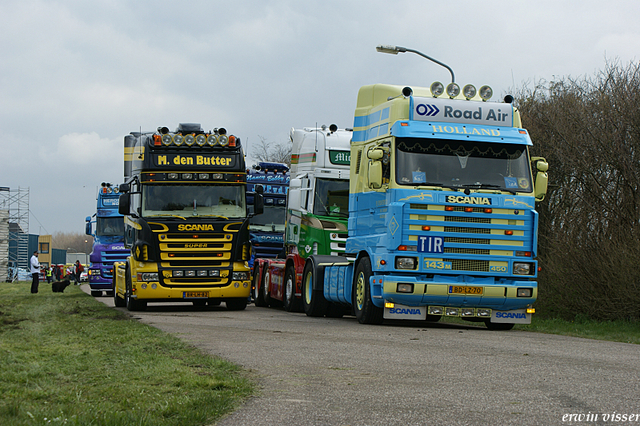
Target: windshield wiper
{"points": [[213, 215], [442, 185], [488, 186], [168, 215]]}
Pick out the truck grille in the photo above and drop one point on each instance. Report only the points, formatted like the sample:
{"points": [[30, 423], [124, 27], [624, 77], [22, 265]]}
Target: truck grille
{"points": [[475, 239], [204, 259]]}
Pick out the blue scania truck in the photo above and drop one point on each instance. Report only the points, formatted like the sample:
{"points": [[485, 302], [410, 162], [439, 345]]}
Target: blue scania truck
{"points": [[108, 240], [442, 218]]}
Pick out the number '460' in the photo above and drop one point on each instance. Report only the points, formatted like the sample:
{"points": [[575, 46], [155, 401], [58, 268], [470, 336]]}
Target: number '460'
{"points": [[498, 269]]}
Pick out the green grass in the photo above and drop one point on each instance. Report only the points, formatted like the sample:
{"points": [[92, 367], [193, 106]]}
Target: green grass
{"points": [[67, 359], [615, 331]]}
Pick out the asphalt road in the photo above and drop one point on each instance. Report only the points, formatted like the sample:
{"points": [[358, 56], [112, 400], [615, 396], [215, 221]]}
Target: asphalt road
{"points": [[337, 372]]}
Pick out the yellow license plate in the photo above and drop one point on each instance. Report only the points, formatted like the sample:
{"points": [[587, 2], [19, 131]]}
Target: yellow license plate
{"points": [[195, 295], [464, 289]]}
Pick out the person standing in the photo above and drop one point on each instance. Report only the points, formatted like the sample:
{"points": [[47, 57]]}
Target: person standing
{"points": [[49, 274], [78, 271], [35, 272]]}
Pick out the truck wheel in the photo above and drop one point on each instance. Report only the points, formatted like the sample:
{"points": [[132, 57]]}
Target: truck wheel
{"points": [[117, 301], [291, 304], [498, 325], [366, 312], [265, 288], [313, 301], [96, 293], [132, 304], [258, 297], [236, 304]]}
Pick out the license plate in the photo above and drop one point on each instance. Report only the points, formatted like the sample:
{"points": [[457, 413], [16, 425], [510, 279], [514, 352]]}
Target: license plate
{"points": [[195, 295], [465, 289]]}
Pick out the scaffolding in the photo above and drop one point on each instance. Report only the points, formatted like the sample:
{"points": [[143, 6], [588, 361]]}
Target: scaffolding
{"points": [[16, 204]]}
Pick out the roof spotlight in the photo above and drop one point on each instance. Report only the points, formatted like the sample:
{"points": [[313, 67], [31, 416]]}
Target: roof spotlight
{"points": [[469, 91], [486, 93], [437, 89], [453, 90], [212, 140], [166, 140]]}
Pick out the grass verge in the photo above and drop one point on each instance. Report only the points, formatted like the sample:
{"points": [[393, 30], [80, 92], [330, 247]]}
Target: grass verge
{"points": [[67, 359], [614, 331]]}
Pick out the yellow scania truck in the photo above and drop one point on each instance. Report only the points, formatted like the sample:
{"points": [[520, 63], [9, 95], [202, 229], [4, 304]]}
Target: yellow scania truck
{"points": [[186, 219]]}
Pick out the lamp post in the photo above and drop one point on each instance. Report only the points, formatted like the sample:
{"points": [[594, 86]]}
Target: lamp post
{"points": [[394, 50]]}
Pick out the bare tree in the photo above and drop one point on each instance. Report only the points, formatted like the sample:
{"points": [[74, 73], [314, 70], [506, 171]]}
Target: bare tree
{"points": [[589, 131], [273, 152]]}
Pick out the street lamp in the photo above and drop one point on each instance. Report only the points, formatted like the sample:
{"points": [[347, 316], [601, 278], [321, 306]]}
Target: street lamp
{"points": [[394, 50]]}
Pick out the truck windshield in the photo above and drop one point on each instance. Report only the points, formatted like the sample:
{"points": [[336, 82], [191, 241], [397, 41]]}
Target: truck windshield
{"points": [[271, 220], [331, 198], [224, 201], [462, 164], [109, 226]]}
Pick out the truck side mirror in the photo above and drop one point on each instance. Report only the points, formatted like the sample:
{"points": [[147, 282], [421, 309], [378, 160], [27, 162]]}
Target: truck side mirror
{"points": [[124, 187], [258, 200], [375, 154], [294, 194], [87, 229], [542, 179], [375, 174], [124, 204]]}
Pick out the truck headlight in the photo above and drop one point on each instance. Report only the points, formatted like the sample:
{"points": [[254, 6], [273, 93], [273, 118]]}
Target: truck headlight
{"points": [[241, 276], [522, 268], [147, 276], [524, 292], [404, 288], [406, 263]]}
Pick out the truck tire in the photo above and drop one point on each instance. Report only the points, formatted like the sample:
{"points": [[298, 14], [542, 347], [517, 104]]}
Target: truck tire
{"points": [[313, 301], [366, 312], [258, 297], [117, 300], [96, 293], [289, 301], [237, 304], [132, 304], [497, 326], [266, 295]]}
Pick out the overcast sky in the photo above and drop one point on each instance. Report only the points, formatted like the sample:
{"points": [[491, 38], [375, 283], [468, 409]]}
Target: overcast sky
{"points": [[77, 76]]}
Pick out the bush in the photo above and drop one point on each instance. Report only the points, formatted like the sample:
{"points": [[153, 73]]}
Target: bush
{"points": [[589, 237]]}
